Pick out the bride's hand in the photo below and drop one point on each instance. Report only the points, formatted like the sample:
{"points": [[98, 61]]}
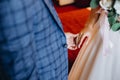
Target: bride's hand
{"points": [[92, 27], [89, 29]]}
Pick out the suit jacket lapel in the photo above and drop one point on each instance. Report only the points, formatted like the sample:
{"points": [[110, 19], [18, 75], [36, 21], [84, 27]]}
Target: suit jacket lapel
{"points": [[52, 11]]}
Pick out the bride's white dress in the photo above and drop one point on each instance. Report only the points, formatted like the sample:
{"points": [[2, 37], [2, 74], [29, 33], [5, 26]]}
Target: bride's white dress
{"points": [[100, 59], [107, 61], [106, 64]]}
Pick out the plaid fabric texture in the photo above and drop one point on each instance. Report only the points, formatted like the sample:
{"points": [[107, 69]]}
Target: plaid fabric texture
{"points": [[32, 42]]}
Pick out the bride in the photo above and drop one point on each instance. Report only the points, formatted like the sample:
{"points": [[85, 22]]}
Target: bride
{"points": [[99, 57]]}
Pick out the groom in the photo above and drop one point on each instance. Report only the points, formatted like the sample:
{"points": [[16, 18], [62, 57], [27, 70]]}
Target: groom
{"points": [[32, 42]]}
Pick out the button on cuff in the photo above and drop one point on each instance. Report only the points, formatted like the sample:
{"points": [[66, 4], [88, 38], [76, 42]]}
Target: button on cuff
{"points": [[65, 45]]}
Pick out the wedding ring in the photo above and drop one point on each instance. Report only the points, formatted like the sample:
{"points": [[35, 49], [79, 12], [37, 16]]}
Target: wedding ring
{"points": [[78, 38]]}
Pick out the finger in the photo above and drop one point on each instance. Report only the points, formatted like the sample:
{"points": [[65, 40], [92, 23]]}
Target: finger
{"points": [[72, 47], [71, 42], [88, 35], [78, 38], [75, 35]]}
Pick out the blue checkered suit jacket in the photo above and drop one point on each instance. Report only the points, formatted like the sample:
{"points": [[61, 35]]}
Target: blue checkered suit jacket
{"points": [[32, 42]]}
